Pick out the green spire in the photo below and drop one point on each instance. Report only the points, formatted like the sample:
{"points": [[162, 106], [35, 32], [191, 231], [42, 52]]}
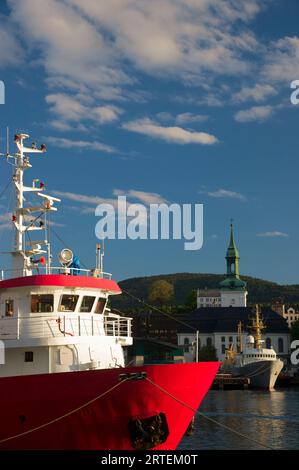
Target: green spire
{"points": [[232, 251], [232, 280]]}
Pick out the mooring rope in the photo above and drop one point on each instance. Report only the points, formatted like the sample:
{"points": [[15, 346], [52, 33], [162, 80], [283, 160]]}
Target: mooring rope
{"points": [[228, 428], [65, 415]]}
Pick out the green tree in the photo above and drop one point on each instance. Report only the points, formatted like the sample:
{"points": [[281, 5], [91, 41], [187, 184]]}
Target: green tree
{"points": [[191, 300], [207, 354], [161, 292], [295, 330]]}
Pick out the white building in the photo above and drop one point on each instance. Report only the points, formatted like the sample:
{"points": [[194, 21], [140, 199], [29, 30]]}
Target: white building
{"points": [[218, 327], [208, 298]]}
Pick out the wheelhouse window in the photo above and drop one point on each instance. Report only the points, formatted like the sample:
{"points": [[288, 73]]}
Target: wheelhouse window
{"points": [[42, 303], [87, 303], [9, 311], [68, 303], [100, 305]]}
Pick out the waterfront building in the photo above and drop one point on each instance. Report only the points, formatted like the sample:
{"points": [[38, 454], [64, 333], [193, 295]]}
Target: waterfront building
{"points": [[218, 328]]}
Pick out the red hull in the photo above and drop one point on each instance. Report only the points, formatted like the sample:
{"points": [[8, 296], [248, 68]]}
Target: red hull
{"points": [[31, 401]]}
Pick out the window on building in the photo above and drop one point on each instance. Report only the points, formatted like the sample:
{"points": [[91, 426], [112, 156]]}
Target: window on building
{"points": [[9, 311], [186, 344], [223, 339], [68, 303], [87, 303], [209, 341], [42, 303], [230, 339], [223, 348], [280, 345], [268, 343], [28, 356], [100, 305]]}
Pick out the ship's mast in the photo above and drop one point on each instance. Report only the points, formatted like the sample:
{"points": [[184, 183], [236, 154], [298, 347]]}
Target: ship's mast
{"points": [[257, 326], [240, 337], [23, 256]]}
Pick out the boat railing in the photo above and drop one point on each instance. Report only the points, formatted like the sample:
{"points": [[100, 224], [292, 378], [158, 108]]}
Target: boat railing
{"points": [[12, 273], [117, 326], [68, 325]]}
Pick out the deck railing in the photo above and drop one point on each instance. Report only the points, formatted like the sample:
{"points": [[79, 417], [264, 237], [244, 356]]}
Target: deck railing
{"points": [[9, 273], [65, 326]]}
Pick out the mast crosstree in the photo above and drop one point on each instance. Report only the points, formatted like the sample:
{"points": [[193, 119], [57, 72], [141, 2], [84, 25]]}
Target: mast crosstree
{"points": [[25, 252]]}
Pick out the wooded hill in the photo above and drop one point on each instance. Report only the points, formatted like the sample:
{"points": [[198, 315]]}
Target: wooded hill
{"points": [[259, 290]]}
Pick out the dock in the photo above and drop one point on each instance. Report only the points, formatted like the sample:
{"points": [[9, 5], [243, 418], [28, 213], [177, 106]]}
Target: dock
{"points": [[230, 382]]}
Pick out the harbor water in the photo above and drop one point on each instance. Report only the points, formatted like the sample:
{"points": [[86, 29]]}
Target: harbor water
{"points": [[272, 418]]}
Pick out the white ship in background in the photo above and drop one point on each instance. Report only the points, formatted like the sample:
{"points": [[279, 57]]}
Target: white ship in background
{"points": [[260, 365]]}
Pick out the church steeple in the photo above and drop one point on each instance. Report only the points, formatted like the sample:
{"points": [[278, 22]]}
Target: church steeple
{"points": [[233, 288], [232, 256]]}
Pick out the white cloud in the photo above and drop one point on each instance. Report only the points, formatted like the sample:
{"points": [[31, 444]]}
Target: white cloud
{"points": [[88, 203], [5, 221], [79, 144], [184, 118], [272, 234], [5, 217], [78, 108], [94, 44], [282, 60], [256, 113], [67, 107], [257, 93], [173, 134], [142, 196], [168, 36], [224, 193], [10, 49], [107, 113], [83, 198]]}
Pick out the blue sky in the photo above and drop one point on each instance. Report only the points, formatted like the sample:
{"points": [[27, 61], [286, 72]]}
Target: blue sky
{"points": [[179, 101]]}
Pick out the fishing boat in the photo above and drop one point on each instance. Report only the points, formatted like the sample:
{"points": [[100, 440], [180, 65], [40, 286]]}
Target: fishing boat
{"points": [[64, 383]]}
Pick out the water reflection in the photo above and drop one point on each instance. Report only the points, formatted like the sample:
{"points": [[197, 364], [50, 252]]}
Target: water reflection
{"points": [[271, 418]]}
